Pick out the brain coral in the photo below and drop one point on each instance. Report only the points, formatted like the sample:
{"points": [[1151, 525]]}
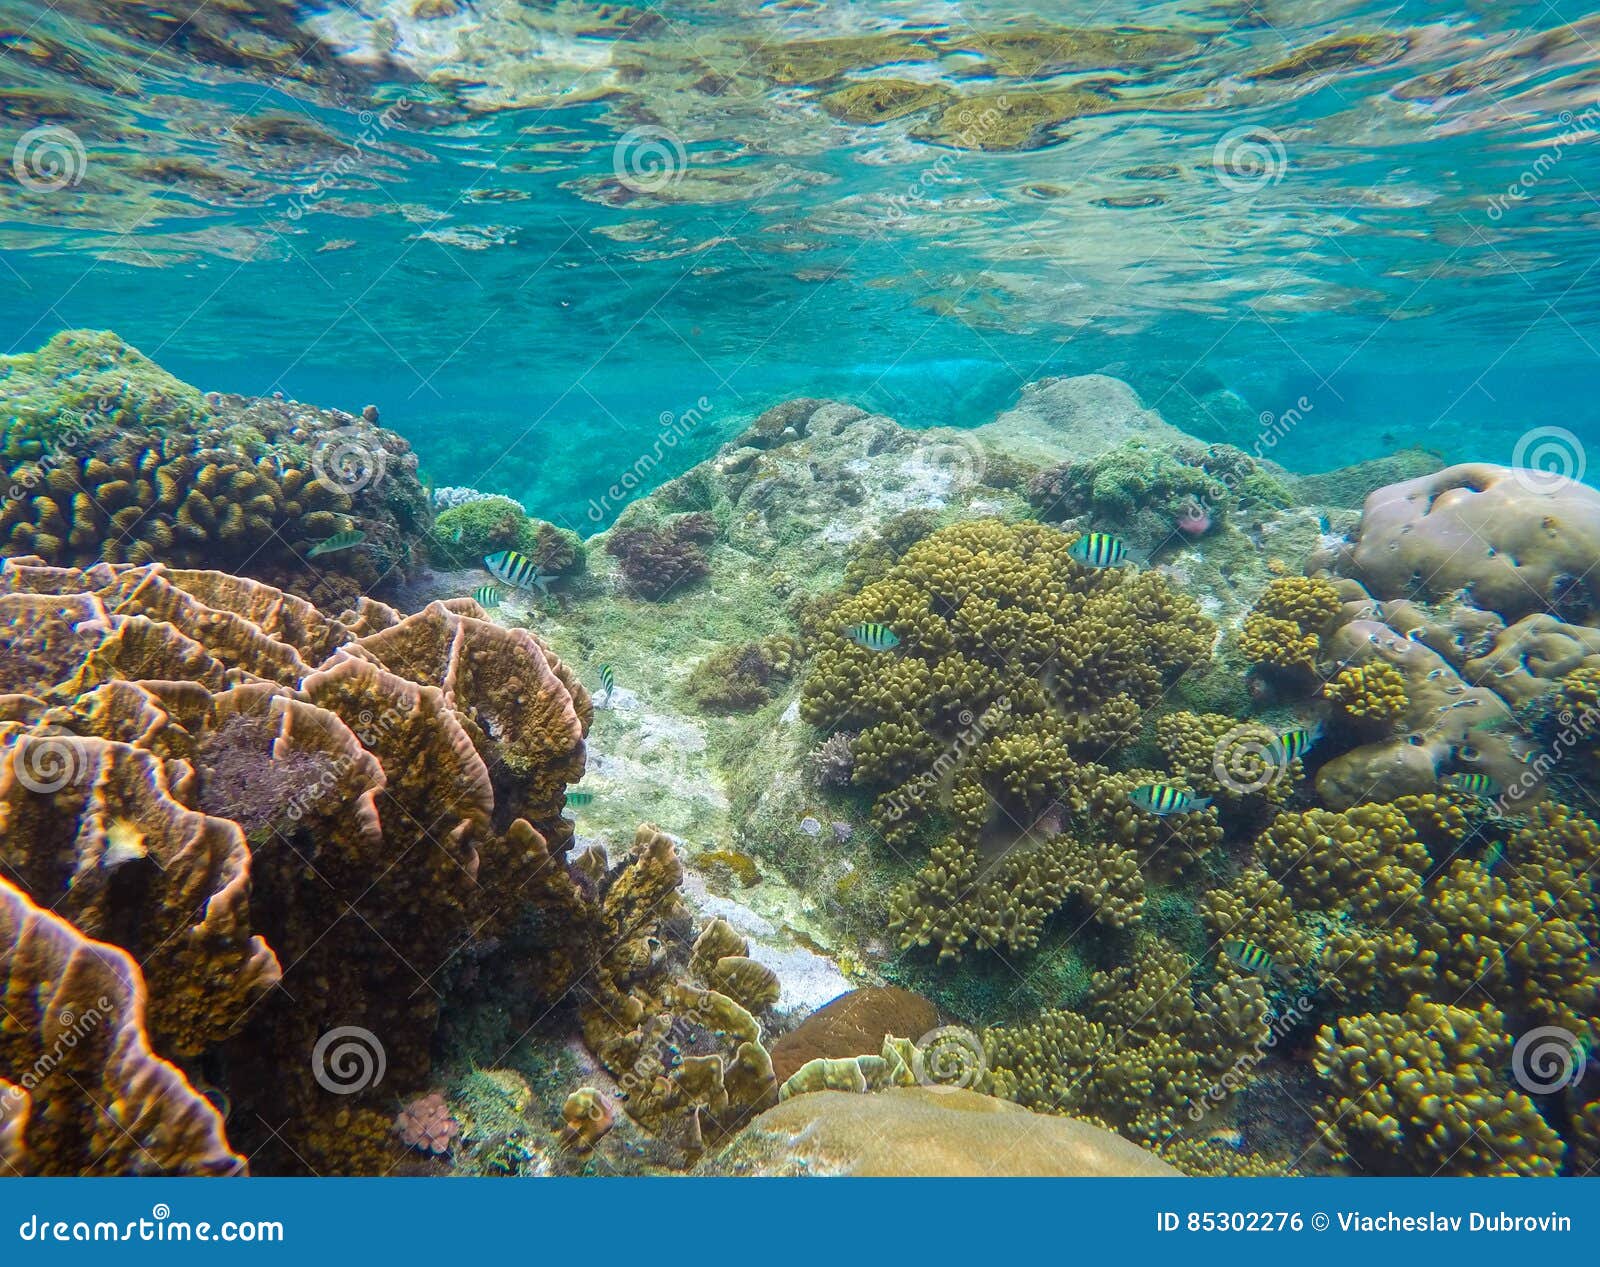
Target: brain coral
{"points": [[106, 457], [1012, 659], [232, 786]]}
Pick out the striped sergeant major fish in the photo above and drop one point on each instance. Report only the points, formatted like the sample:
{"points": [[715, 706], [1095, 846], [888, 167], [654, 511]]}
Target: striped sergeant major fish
{"points": [[1294, 744], [487, 596], [1163, 799], [517, 570], [1098, 550], [1250, 957], [608, 681], [873, 637], [1480, 785]]}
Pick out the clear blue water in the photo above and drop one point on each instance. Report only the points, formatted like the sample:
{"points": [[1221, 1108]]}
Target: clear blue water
{"points": [[478, 272]]}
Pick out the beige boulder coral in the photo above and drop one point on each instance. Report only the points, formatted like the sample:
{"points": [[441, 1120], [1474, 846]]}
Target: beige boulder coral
{"points": [[1516, 541], [926, 1132]]}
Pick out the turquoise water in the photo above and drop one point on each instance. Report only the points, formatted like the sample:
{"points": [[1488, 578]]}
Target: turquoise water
{"points": [[1234, 233], [1076, 760]]}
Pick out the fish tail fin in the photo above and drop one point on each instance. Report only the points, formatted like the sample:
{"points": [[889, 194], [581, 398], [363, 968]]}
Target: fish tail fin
{"points": [[1201, 802]]}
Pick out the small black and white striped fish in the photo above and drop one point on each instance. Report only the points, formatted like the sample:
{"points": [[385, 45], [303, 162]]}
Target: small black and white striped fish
{"points": [[608, 680], [488, 596], [1249, 956], [518, 570], [1473, 785], [1098, 550], [873, 637], [1294, 744], [1163, 798]]}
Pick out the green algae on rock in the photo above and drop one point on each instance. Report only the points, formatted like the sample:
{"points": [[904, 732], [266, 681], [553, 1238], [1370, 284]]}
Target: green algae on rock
{"points": [[880, 100], [464, 534], [1008, 119]]}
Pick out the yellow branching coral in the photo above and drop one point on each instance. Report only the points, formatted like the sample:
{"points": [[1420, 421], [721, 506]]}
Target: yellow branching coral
{"points": [[1282, 630], [1253, 907], [1234, 763], [1148, 1046], [956, 901], [1373, 693], [1367, 860], [1307, 602], [1012, 658], [1422, 1092], [1278, 644]]}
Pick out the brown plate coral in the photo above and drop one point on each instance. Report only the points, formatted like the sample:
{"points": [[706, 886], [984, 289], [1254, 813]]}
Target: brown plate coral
{"points": [[300, 826]]}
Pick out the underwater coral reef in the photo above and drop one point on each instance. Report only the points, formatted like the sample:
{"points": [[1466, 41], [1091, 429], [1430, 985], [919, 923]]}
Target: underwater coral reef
{"points": [[861, 802]]}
